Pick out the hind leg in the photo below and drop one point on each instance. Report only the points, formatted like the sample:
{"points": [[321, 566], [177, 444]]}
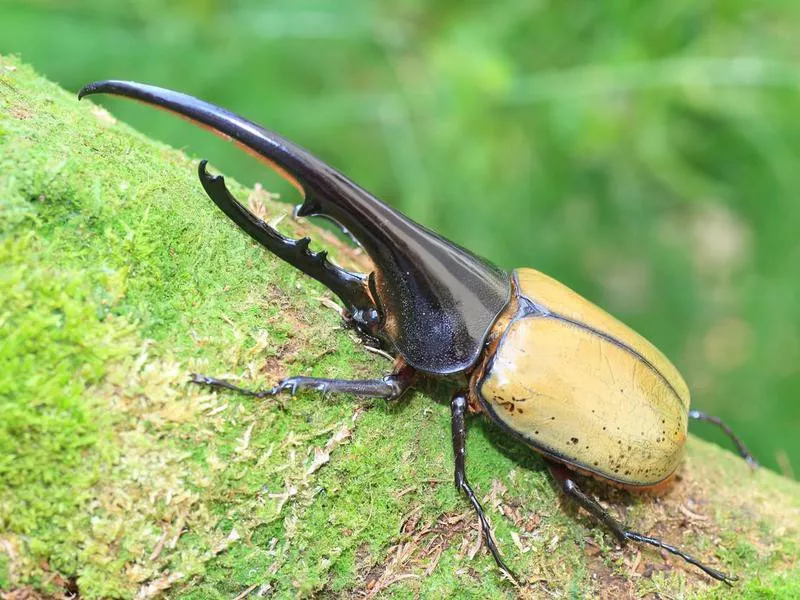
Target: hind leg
{"points": [[743, 451], [565, 479]]}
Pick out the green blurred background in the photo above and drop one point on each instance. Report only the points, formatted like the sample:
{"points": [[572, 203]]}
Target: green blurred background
{"points": [[644, 153]]}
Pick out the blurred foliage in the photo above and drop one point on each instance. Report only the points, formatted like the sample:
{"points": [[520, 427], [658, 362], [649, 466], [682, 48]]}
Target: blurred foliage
{"points": [[643, 153]]}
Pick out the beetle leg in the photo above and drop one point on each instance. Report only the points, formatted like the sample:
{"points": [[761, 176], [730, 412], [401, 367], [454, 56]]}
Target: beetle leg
{"points": [[743, 451], [350, 287], [563, 476], [458, 407], [391, 386]]}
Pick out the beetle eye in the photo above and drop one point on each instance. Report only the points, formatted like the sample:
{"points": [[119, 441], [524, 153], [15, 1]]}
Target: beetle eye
{"points": [[367, 322], [372, 318]]}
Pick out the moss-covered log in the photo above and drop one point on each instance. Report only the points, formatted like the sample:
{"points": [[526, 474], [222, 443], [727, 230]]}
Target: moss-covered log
{"points": [[118, 479]]}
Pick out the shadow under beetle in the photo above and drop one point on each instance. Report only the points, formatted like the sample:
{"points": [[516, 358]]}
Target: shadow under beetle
{"points": [[547, 366]]}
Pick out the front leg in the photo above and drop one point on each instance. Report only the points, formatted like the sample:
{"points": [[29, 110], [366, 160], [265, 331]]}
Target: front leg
{"points": [[390, 386]]}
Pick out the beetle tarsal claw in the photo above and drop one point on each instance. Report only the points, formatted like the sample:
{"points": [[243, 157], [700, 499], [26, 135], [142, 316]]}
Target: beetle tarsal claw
{"points": [[289, 385], [215, 383], [710, 571]]}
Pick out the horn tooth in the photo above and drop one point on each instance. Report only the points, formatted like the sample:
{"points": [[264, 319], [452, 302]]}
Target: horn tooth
{"points": [[319, 257]]}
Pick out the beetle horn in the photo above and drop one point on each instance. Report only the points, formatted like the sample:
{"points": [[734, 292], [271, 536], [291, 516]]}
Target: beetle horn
{"points": [[438, 300]]}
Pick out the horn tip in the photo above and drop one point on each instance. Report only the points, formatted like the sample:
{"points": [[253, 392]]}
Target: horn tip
{"points": [[105, 86], [91, 88]]}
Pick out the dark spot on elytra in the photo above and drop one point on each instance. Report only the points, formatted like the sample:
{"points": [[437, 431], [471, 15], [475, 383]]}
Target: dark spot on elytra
{"points": [[573, 440]]}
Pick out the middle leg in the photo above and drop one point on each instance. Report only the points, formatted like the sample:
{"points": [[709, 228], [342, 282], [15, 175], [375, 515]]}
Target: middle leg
{"points": [[458, 408]]}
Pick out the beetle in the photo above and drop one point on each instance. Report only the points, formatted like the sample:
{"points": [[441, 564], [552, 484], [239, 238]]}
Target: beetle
{"points": [[547, 366]]}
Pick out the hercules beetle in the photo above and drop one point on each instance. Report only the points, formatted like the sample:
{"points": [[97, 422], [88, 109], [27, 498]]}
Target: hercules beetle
{"points": [[547, 366]]}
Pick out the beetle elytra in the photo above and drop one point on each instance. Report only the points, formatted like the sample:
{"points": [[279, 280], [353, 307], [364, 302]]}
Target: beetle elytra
{"points": [[546, 365]]}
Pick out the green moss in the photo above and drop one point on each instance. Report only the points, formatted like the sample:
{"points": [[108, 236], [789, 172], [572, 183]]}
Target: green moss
{"points": [[5, 577], [119, 278], [767, 586]]}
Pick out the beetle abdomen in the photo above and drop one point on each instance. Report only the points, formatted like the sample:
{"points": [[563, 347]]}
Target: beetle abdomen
{"points": [[577, 385]]}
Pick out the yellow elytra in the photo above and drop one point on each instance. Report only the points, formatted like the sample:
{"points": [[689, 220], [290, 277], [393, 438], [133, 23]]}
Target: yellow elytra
{"points": [[582, 388]]}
